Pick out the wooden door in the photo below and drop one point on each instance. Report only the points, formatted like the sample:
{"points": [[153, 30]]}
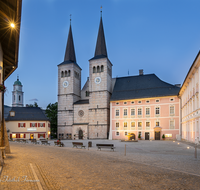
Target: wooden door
{"points": [[147, 136], [157, 135]]}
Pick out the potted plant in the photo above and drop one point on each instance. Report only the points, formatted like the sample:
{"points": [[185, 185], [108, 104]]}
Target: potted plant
{"points": [[74, 137], [139, 137], [163, 137], [2, 88]]}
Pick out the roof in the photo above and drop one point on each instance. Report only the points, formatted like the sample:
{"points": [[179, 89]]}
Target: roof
{"points": [[101, 43], [17, 82], [86, 101], [69, 62], [10, 11], [142, 86], [27, 114]]}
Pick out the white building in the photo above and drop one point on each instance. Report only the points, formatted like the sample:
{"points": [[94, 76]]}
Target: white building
{"points": [[190, 104]]}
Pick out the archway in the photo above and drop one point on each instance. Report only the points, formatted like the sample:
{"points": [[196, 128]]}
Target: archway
{"points": [[80, 134], [131, 136]]}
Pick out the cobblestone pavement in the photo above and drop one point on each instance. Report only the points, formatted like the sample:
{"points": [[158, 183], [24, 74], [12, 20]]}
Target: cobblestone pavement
{"points": [[147, 165]]}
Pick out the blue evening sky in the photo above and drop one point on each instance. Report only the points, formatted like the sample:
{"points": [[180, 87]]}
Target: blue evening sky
{"points": [[159, 36]]}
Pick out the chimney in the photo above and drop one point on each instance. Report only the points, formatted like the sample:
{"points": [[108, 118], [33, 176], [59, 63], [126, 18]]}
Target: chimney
{"points": [[141, 72]]}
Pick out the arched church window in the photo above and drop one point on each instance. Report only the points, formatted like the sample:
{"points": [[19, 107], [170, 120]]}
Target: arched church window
{"points": [[62, 74], [14, 97], [65, 73], [98, 69], [94, 69], [101, 68], [69, 72], [19, 97]]}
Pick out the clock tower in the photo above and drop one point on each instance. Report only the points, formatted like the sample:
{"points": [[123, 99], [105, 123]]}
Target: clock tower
{"points": [[100, 88], [69, 89]]}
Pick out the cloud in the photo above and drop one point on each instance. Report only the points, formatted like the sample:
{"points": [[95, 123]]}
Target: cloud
{"points": [[35, 100]]}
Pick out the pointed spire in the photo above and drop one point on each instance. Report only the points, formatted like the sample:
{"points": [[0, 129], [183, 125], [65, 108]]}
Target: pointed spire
{"points": [[70, 52], [101, 43]]}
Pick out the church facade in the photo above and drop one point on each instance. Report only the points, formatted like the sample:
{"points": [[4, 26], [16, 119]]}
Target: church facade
{"points": [[84, 114]]}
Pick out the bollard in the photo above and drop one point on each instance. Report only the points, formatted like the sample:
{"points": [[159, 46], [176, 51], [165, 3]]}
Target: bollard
{"points": [[125, 150], [195, 152]]}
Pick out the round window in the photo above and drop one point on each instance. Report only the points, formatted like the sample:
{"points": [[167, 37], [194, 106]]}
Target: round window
{"points": [[81, 113]]}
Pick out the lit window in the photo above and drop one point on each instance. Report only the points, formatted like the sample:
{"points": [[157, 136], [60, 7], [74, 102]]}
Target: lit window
{"points": [[147, 124], [126, 133], [132, 124], [168, 135], [139, 111], [117, 124], [147, 111], [132, 112], [21, 135], [125, 124], [157, 123], [117, 133], [171, 110], [125, 112], [117, 112], [139, 124], [13, 135], [157, 110]]}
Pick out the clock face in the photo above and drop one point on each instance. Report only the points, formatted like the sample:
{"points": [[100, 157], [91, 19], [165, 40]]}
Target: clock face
{"points": [[97, 80], [65, 84]]}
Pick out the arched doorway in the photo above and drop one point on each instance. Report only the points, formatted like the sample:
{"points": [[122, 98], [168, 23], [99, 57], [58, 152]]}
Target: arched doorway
{"points": [[80, 134], [131, 136]]}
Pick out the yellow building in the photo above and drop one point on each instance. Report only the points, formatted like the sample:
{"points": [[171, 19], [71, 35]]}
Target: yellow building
{"points": [[27, 123]]}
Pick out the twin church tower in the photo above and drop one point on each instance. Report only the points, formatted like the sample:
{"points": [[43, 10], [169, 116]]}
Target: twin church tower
{"points": [[84, 113]]}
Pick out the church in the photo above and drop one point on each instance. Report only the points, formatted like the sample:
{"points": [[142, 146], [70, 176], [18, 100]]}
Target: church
{"points": [[87, 113]]}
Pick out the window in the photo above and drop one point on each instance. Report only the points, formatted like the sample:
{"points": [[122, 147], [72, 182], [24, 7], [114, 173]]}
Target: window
{"points": [[132, 124], [62, 74], [117, 124], [117, 103], [41, 124], [117, 112], [147, 101], [157, 123], [125, 112], [19, 97], [168, 135], [65, 73], [69, 72], [147, 111], [117, 133], [14, 97], [132, 112], [21, 135], [94, 70], [139, 124], [33, 124], [157, 100], [171, 124], [172, 99], [139, 102], [125, 124], [102, 68], [126, 133], [171, 110], [147, 124], [132, 102], [157, 110], [125, 102], [98, 69], [21, 125], [87, 93], [139, 111]]}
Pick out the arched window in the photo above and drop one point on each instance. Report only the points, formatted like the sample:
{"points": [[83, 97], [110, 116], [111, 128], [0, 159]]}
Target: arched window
{"points": [[98, 69], [19, 97], [101, 68], [62, 74], [65, 73], [87, 93], [14, 97], [94, 69], [69, 72]]}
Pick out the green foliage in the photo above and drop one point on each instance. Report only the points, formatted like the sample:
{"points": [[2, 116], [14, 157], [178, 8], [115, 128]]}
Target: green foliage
{"points": [[32, 105], [139, 136], [163, 136], [51, 112]]}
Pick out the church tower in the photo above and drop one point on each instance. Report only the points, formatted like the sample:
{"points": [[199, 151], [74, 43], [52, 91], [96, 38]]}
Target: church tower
{"points": [[69, 89], [17, 94], [100, 88]]}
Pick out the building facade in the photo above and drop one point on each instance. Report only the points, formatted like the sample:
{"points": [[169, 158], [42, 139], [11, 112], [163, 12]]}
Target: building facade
{"points": [[144, 105], [27, 123], [190, 104]]}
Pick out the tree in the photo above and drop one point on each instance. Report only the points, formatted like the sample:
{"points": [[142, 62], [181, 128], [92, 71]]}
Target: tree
{"points": [[32, 105], [51, 112]]}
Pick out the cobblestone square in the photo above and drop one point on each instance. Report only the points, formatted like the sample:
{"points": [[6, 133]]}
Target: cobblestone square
{"points": [[147, 165]]}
